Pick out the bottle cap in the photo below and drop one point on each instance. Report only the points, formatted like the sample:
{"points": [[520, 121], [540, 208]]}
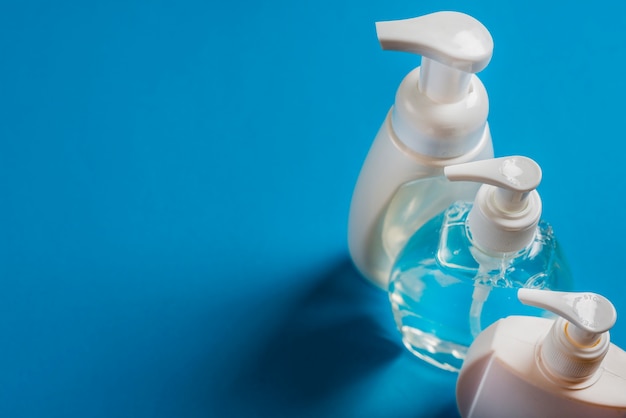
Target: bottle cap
{"points": [[453, 46], [507, 208], [578, 341]]}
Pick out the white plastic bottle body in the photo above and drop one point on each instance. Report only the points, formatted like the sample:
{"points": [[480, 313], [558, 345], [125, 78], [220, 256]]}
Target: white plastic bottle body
{"points": [[502, 376], [388, 166], [388, 206], [444, 290]]}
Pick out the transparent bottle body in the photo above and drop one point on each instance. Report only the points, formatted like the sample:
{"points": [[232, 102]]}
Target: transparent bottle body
{"points": [[444, 290], [414, 204]]}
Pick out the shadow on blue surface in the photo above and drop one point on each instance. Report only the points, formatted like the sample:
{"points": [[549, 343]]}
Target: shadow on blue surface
{"points": [[332, 337]]}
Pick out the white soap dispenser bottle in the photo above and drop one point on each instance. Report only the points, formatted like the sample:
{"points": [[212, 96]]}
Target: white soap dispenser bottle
{"points": [[460, 271], [537, 367], [439, 118]]}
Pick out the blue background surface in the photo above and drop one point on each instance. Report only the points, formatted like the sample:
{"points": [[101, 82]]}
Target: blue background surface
{"points": [[175, 181]]}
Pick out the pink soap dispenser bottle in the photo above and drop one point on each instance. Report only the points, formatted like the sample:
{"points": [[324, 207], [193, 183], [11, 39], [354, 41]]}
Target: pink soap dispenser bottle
{"points": [[537, 367]]}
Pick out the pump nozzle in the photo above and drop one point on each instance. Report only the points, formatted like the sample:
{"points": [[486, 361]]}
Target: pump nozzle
{"points": [[507, 207], [453, 46], [514, 176], [579, 339], [589, 314]]}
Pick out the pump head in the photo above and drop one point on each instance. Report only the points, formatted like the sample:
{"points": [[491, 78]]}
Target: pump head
{"points": [[453, 46], [579, 339], [507, 208]]}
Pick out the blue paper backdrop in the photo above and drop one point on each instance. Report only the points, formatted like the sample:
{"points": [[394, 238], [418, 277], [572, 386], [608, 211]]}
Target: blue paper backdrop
{"points": [[175, 180]]}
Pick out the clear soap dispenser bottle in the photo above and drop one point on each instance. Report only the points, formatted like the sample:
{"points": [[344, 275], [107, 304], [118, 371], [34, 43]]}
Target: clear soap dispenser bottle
{"points": [[439, 118], [536, 367], [461, 270]]}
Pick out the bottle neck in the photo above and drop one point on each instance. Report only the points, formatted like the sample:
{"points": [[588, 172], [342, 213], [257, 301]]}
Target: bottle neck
{"points": [[490, 260], [439, 130], [567, 363], [497, 231]]}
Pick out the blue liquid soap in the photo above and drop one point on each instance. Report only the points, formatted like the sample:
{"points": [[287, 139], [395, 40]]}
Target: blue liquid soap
{"points": [[461, 270], [444, 289]]}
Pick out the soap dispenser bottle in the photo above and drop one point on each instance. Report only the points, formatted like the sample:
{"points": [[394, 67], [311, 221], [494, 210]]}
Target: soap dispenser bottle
{"points": [[461, 270], [439, 118], [536, 367]]}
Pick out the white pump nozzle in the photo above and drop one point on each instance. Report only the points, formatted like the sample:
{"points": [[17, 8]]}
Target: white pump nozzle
{"points": [[579, 339], [507, 208], [453, 45], [514, 176], [589, 314]]}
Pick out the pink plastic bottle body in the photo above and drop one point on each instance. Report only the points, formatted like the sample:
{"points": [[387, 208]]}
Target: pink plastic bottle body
{"points": [[502, 376]]}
